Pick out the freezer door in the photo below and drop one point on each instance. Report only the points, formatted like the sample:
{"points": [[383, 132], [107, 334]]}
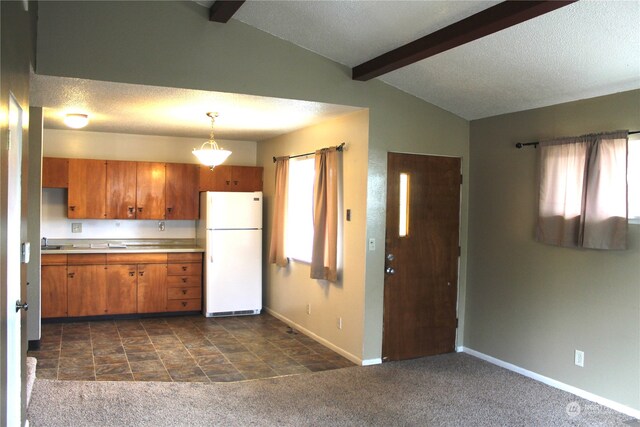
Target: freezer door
{"points": [[226, 210], [233, 271]]}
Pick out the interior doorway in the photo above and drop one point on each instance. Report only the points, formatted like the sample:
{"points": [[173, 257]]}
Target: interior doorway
{"points": [[422, 251]]}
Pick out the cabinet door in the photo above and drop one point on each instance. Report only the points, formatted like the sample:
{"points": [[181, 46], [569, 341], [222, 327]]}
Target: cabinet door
{"points": [[181, 191], [122, 290], [53, 288], [152, 288], [87, 188], [150, 195], [218, 179], [55, 172], [121, 190], [246, 178], [87, 290]]}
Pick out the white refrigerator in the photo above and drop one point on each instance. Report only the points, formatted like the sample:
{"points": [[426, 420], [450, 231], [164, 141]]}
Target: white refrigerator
{"points": [[230, 229]]}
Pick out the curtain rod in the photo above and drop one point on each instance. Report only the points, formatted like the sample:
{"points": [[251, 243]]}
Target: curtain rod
{"points": [[535, 144], [338, 148]]}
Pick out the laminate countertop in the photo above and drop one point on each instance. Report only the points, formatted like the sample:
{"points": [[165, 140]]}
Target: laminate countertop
{"points": [[56, 246]]}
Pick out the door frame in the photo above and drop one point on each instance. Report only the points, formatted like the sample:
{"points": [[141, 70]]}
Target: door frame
{"points": [[460, 236]]}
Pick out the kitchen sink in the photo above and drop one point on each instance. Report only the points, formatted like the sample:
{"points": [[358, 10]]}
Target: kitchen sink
{"points": [[50, 248]]}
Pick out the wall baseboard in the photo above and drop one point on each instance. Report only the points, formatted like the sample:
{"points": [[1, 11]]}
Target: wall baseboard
{"points": [[627, 410], [355, 359]]}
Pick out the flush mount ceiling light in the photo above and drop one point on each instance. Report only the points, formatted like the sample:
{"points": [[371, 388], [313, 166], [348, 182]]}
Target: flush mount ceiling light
{"points": [[209, 153], [76, 121]]}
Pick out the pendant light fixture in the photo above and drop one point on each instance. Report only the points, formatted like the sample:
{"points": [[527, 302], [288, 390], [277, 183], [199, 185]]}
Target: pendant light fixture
{"points": [[209, 153]]}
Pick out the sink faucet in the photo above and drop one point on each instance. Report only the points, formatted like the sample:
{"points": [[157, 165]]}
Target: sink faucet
{"points": [[45, 242]]}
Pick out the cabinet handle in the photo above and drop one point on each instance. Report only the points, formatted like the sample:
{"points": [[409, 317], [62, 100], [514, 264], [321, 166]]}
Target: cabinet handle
{"points": [[184, 292], [235, 182], [130, 209], [184, 280], [169, 210], [228, 182], [131, 273], [184, 268], [139, 209], [72, 208], [141, 273], [184, 303], [71, 275]]}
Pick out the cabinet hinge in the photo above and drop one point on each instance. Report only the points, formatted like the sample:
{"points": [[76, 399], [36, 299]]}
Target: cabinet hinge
{"points": [[460, 179], [459, 251], [456, 323]]}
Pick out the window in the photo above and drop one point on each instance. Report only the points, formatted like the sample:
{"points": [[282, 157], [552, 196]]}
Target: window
{"points": [[299, 229], [633, 180], [583, 192]]}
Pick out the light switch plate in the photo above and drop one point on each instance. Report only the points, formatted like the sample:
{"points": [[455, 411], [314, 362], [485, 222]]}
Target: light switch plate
{"points": [[76, 227], [372, 244]]}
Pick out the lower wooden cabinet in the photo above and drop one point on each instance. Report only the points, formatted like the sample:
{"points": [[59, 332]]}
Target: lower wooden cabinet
{"points": [[152, 288], [105, 284], [53, 291], [86, 290], [184, 287], [122, 289]]}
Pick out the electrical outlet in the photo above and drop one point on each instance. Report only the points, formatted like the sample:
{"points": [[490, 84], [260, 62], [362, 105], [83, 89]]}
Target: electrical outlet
{"points": [[76, 227], [161, 226], [308, 308], [339, 323], [372, 244], [579, 358]]}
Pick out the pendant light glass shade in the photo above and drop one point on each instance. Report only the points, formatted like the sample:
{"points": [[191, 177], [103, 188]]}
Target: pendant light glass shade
{"points": [[209, 153]]}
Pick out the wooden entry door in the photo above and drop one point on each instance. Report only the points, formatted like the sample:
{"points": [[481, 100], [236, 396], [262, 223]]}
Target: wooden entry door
{"points": [[421, 271]]}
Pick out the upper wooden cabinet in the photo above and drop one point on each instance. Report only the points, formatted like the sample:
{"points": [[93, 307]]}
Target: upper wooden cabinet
{"points": [[121, 190], [150, 194], [181, 191], [55, 172], [87, 189], [231, 178]]}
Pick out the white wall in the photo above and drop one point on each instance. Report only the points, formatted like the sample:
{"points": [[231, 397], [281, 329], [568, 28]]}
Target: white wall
{"points": [[118, 146], [80, 144], [289, 290]]}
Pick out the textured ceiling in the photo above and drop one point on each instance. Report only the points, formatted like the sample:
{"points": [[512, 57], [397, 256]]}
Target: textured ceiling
{"points": [[151, 110], [586, 49]]}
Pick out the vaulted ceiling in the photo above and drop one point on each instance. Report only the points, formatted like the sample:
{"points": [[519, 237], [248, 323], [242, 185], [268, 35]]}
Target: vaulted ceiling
{"points": [[581, 50]]}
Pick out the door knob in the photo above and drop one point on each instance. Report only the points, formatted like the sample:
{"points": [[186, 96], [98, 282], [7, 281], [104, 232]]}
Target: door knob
{"points": [[21, 306], [390, 271], [390, 257]]}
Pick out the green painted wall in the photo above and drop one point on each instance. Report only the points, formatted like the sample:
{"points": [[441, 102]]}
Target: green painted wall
{"points": [[531, 304]]}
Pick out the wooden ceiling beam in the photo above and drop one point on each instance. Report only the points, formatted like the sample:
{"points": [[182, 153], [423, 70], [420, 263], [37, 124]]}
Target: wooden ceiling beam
{"points": [[223, 10], [491, 20]]}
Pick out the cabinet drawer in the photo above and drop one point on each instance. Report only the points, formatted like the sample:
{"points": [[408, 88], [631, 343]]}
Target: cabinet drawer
{"points": [[87, 259], [184, 305], [185, 257], [57, 259], [183, 293], [140, 258], [185, 269], [179, 281]]}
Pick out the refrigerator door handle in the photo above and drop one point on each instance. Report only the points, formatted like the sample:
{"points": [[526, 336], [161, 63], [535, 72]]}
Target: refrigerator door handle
{"points": [[211, 259]]}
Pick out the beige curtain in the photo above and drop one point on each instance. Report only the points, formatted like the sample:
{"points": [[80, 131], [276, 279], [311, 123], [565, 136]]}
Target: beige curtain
{"points": [[583, 191], [325, 216], [276, 248]]}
